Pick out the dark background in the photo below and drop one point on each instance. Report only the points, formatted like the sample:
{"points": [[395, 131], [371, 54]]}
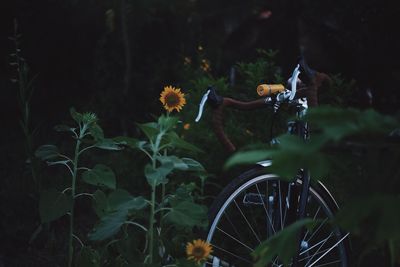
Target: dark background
{"points": [[114, 57], [67, 44]]}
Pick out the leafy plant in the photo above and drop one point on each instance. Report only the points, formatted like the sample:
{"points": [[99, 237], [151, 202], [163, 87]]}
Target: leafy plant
{"points": [[262, 70], [24, 96], [54, 204], [168, 212]]}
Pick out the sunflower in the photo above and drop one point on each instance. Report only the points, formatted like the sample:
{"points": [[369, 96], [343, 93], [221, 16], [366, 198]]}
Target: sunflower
{"points": [[198, 250], [172, 98]]}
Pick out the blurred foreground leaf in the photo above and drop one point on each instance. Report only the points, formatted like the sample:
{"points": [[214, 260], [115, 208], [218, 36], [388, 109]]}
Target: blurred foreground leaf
{"points": [[329, 125], [282, 245]]}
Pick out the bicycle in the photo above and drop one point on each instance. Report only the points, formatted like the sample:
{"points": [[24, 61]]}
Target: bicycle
{"points": [[257, 204]]}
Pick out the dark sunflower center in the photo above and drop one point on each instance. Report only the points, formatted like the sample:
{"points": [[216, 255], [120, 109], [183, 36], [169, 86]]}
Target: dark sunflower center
{"points": [[198, 252], [172, 99]]}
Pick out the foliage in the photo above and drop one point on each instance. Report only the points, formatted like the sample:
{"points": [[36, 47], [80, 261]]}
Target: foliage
{"points": [[24, 96], [372, 214], [340, 93], [87, 135], [282, 245], [170, 214], [171, 211], [262, 70]]}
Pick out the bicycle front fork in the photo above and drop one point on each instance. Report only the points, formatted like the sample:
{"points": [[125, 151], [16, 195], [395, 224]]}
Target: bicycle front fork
{"points": [[301, 211]]}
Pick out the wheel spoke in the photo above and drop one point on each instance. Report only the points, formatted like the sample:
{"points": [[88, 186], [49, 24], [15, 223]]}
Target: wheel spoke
{"points": [[323, 255], [315, 216], [265, 208], [310, 248], [243, 244], [251, 228], [328, 263], [233, 226], [286, 204], [231, 253], [319, 227], [280, 203]]}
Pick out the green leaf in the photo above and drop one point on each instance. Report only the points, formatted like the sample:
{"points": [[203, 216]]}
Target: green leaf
{"points": [[78, 117], [338, 123], [96, 131], [63, 128], [47, 152], [183, 193], [121, 199], [167, 122], [189, 214], [150, 129], [100, 175], [108, 144], [88, 257], [183, 164], [117, 200], [53, 205], [177, 162], [128, 141], [89, 118], [378, 215], [100, 203], [247, 157], [193, 165], [159, 175], [135, 203], [292, 154], [178, 142], [283, 244], [117, 197], [109, 225]]}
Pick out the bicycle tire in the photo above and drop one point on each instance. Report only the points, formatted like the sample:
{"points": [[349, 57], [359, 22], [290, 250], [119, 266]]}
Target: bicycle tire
{"points": [[229, 248]]}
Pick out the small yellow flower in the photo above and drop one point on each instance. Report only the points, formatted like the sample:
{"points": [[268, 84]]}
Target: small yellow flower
{"points": [[249, 132], [200, 48], [205, 65], [187, 61], [172, 98], [198, 250], [186, 126]]}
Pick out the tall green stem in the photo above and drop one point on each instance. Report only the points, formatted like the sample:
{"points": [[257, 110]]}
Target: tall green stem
{"points": [[155, 149], [151, 226], [71, 217]]}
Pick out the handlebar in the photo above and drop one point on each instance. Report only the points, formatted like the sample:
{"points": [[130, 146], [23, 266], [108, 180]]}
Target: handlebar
{"points": [[218, 103], [217, 118]]}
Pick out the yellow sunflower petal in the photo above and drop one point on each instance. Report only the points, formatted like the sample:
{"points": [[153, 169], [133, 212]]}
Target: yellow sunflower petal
{"points": [[198, 250], [172, 98]]}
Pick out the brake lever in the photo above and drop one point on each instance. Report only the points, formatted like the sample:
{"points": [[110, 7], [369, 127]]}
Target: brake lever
{"points": [[201, 106], [294, 77]]}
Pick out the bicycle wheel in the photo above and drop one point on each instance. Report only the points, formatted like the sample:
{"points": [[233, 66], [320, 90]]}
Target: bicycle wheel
{"points": [[254, 206]]}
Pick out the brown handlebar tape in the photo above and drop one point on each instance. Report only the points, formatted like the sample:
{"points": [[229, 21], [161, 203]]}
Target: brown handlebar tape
{"points": [[218, 118]]}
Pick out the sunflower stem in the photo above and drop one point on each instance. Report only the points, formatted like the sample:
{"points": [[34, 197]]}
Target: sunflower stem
{"points": [[155, 149]]}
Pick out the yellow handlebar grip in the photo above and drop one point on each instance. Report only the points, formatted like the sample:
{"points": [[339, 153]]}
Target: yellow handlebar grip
{"points": [[269, 89]]}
